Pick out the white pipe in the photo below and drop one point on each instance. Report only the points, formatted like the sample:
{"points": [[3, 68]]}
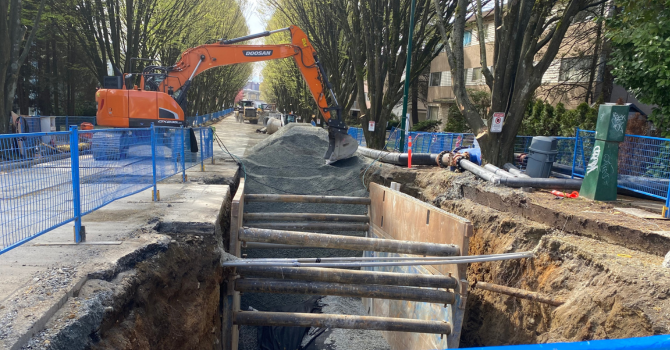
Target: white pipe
{"points": [[494, 169], [514, 170]]}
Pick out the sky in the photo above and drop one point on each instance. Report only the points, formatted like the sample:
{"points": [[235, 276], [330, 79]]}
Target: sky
{"points": [[256, 24]]}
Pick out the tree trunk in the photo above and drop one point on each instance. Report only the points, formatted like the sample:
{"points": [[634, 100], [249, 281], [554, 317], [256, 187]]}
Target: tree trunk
{"points": [[375, 139], [12, 34], [54, 74]]}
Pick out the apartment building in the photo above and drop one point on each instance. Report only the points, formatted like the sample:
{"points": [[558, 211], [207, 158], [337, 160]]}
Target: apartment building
{"points": [[565, 81]]}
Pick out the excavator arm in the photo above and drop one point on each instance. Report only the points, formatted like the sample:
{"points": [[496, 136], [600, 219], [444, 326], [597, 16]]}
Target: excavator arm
{"points": [[176, 80]]}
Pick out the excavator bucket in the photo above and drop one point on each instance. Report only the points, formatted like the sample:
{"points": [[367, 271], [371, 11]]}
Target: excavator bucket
{"points": [[340, 146]]}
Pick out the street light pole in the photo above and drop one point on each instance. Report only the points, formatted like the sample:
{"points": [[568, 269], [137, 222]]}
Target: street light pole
{"points": [[407, 77]]}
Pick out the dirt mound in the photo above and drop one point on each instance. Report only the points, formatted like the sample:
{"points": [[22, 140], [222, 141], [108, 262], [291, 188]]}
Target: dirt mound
{"points": [[291, 162]]}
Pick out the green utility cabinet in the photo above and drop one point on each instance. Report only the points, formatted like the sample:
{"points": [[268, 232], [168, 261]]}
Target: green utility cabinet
{"points": [[601, 172]]}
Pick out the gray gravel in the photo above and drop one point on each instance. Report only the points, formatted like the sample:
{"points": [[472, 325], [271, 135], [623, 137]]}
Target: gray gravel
{"points": [[291, 162], [344, 339], [666, 262]]}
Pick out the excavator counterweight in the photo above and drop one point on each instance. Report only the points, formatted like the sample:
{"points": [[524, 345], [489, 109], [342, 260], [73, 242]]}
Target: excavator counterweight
{"points": [[160, 97]]}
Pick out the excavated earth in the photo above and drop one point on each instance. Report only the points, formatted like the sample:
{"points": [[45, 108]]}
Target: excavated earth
{"points": [[605, 267]]}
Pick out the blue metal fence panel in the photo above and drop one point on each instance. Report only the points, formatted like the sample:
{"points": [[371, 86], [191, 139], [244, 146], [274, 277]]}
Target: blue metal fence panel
{"points": [[644, 161], [357, 134], [644, 165], [436, 142], [657, 342], [584, 143], [422, 142], [117, 164], [199, 120], [36, 195], [49, 179], [393, 141]]}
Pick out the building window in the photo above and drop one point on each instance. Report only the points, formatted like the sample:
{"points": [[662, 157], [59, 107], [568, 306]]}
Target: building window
{"points": [[446, 79], [467, 38], [575, 69], [435, 78], [433, 113], [476, 75]]}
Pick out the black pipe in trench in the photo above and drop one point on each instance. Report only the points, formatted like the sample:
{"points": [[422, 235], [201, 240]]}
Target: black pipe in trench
{"points": [[431, 159]]}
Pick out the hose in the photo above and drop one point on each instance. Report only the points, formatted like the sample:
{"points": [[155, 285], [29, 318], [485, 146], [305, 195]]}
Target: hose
{"points": [[399, 158]]}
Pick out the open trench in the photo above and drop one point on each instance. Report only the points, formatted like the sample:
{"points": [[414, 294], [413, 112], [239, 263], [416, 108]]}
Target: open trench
{"points": [[171, 298], [606, 294]]}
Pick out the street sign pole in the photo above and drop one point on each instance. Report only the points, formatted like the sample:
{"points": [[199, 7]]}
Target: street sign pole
{"points": [[407, 77]]}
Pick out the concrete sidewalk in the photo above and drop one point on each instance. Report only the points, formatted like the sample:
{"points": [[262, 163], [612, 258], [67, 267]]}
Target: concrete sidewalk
{"points": [[37, 278]]}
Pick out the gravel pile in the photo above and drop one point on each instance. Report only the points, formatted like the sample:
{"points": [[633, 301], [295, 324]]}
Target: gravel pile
{"points": [[291, 161]]}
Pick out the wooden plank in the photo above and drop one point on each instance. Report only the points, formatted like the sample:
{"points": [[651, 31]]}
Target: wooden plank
{"points": [[231, 305], [236, 219], [394, 215], [406, 218]]}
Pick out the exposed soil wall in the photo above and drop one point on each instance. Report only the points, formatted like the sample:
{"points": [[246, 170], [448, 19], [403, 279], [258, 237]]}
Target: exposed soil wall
{"points": [[610, 290], [170, 301], [165, 295]]}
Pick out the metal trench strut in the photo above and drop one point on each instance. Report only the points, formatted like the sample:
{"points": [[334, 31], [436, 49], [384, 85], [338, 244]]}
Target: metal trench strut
{"points": [[330, 276]]}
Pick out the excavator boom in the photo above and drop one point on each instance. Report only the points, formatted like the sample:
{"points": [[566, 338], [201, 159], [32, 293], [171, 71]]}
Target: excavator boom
{"points": [[161, 97]]}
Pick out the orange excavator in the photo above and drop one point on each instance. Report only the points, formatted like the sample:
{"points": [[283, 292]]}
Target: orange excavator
{"points": [[160, 97]]}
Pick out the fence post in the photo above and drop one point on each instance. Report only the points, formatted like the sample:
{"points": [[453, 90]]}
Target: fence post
{"points": [[183, 154], [202, 153], [154, 193], [211, 143], [574, 157], [79, 231]]}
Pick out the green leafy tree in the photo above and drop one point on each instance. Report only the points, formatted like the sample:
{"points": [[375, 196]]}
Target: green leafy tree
{"points": [[543, 119], [481, 101], [640, 36], [427, 125], [455, 121], [16, 40]]}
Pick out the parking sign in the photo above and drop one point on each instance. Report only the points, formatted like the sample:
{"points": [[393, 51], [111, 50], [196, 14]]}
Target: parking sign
{"points": [[497, 123]]}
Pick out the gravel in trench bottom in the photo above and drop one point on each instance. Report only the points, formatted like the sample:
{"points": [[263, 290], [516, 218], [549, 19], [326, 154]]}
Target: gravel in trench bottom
{"points": [[291, 162]]}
